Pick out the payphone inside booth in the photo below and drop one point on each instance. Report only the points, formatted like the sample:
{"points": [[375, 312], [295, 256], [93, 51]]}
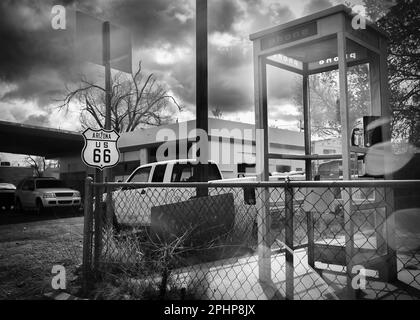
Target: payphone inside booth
{"points": [[315, 44]]}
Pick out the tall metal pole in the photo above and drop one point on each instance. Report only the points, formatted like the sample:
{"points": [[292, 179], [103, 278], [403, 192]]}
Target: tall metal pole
{"points": [[107, 56], [106, 43], [202, 87], [100, 175], [307, 121]]}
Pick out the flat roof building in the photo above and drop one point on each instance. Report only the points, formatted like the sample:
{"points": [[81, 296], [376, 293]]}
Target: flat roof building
{"points": [[231, 144]]}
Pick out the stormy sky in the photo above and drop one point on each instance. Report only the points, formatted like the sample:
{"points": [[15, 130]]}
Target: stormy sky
{"points": [[36, 63]]}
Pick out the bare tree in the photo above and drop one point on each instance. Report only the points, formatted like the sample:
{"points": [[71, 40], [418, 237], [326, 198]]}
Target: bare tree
{"points": [[135, 102], [399, 19], [217, 113], [325, 103], [38, 163], [401, 23]]}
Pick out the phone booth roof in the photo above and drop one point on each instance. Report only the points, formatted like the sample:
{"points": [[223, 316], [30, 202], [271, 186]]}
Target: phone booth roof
{"points": [[312, 41]]}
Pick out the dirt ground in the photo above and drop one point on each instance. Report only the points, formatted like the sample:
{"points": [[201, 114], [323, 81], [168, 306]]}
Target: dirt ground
{"points": [[29, 250]]}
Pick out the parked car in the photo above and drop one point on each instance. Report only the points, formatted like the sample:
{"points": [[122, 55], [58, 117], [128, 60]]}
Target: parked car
{"points": [[42, 194], [7, 196]]}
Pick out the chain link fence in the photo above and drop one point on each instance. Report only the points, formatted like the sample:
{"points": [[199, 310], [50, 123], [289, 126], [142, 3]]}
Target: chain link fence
{"points": [[283, 240]]}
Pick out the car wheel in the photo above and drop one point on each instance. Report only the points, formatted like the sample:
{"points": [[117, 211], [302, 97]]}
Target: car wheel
{"points": [[39, 207], [19, 207]]}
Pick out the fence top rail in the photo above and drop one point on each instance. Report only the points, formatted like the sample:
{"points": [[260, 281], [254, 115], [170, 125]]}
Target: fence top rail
{"points": [[270, 184]]}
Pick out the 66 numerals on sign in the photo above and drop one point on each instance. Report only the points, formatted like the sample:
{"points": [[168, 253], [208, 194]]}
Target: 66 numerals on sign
{"points": [[102, 153], [100, 150]]}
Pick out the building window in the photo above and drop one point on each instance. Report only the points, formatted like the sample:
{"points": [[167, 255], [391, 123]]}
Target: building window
{"points": [[283, 168]]}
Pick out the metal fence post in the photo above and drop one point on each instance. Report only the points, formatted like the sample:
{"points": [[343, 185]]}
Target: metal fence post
{"points": [[391, 273], [87, 235], [264, 247], [311, 238], [349, 239], [108, 205], [290, 288], [98, 228]]}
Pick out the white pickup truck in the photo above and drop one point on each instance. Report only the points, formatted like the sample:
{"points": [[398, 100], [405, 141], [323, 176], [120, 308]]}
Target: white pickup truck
{"points": [[132, 206]]}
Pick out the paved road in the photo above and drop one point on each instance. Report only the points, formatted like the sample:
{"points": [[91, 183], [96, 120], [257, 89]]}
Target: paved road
{"points": [[11, 217]]}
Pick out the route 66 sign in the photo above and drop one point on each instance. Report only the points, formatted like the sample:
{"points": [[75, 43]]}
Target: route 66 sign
{"points": [[100, 150]]}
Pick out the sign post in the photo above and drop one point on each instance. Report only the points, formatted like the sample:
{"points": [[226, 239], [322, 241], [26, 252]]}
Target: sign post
{"points": [[107, 63], [106, 46]]}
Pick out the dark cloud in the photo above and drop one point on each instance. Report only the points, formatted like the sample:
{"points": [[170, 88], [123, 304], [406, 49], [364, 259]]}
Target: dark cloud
{"points": [[230, 95], [154, 21], [25, 39], [173, 23], [316, 5], [222, 14], [30, 45], [38, 120], [42, 87], [264, 15], [231, 78], [231, 67], [183, 80], [280, 14], [35, 59], [281, 84], [37, 62]]}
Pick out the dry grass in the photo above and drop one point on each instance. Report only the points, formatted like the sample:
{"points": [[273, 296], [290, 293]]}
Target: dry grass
{"points": [[140, 265]]}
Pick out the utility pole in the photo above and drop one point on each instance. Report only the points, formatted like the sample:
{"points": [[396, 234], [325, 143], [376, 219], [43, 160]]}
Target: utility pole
{"points": [[106, 44], [106, 47], [107, 57], [202, 88], [106, 53]]}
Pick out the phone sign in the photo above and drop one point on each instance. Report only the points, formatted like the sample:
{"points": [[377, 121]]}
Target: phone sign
{"points": [[100, 150], [289, 35]]}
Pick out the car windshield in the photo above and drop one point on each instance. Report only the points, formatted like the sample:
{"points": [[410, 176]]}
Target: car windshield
{"points": [[49, 183]]}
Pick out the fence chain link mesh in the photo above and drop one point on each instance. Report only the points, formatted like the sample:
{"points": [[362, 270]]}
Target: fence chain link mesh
{"points": [[329, 242]]}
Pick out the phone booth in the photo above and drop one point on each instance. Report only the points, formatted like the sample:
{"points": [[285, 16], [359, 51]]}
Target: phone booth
{"points": [[314, 44]]}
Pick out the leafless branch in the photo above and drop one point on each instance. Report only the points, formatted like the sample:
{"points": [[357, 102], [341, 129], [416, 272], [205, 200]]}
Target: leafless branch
{"points": [[135, 101]]}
